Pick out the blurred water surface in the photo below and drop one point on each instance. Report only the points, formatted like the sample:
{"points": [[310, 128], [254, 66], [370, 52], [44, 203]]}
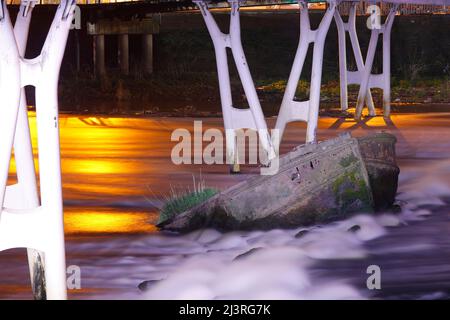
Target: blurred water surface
{"points": [[117, 171]]}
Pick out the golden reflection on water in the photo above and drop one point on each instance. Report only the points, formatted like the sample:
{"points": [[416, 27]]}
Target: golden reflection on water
{"points": [[109, 164], [103, 162], [92, 166], [95, 221]]}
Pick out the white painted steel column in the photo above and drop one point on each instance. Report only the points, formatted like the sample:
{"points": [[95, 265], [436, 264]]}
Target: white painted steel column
{"points": [[342, 44], [26, 194], [247, 81], [316, 72], [220, 47], [350, 77], [366, 73], [49, 64], [252, 118], [40, 228], [369, 80], [387, 62], [10, 85], [307, 111]]}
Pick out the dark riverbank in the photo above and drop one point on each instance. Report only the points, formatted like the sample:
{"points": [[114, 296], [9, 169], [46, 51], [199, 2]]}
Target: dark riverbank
{"points": [[159, 98], [185, 71]]}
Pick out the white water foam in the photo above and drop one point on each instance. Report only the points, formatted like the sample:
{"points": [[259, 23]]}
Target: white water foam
{"points": [[275, 264]]}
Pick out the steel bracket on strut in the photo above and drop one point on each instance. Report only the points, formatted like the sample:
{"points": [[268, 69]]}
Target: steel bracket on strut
{"points": [[307, 111], [24, 222], [234, 118]]}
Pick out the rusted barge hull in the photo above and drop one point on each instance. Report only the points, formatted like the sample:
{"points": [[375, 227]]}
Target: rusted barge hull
{"points": [[316, 183]]}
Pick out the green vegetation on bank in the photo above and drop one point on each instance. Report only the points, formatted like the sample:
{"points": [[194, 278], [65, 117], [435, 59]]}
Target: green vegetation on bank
{"points": [[156, 95], [185, 68]]}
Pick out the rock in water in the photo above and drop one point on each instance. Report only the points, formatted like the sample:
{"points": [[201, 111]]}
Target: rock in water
{"points": [[378, 152], [315, 183]]}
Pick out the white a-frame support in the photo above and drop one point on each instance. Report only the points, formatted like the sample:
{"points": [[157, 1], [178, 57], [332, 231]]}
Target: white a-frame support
{"points": [[307, 111], [363, 76], [24, 222], [350, 77], [234, 118], [26, 175]]}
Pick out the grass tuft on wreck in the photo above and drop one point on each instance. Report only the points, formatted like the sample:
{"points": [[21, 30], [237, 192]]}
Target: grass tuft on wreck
{"points": [[180, 201]]}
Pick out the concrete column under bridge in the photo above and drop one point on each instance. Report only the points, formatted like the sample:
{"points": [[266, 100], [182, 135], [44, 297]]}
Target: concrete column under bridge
{"points": [[124, 57], [146, 27], [147, 44], [99, 55]]}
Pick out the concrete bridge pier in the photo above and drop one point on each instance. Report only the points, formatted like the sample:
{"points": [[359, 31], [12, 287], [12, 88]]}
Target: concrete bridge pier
{"points": [[99, 55], [145, 27], [147, 45], [124, 57]]}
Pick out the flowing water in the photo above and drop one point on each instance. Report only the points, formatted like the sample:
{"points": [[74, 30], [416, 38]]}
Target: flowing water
{"points": [[117, 171]]}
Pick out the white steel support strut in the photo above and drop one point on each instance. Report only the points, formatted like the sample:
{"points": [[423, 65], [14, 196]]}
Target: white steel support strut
{"points": [[23, 222], [350, 77], [368, 80], [234, 118], [26, 188], [307, 111]]}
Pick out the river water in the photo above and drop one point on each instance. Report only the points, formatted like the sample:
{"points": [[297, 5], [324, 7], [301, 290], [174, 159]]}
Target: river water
{"points": [[117, 171]]}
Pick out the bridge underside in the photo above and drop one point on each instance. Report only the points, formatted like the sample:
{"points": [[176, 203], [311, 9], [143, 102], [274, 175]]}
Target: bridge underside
{"points": [[138, 9]]}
